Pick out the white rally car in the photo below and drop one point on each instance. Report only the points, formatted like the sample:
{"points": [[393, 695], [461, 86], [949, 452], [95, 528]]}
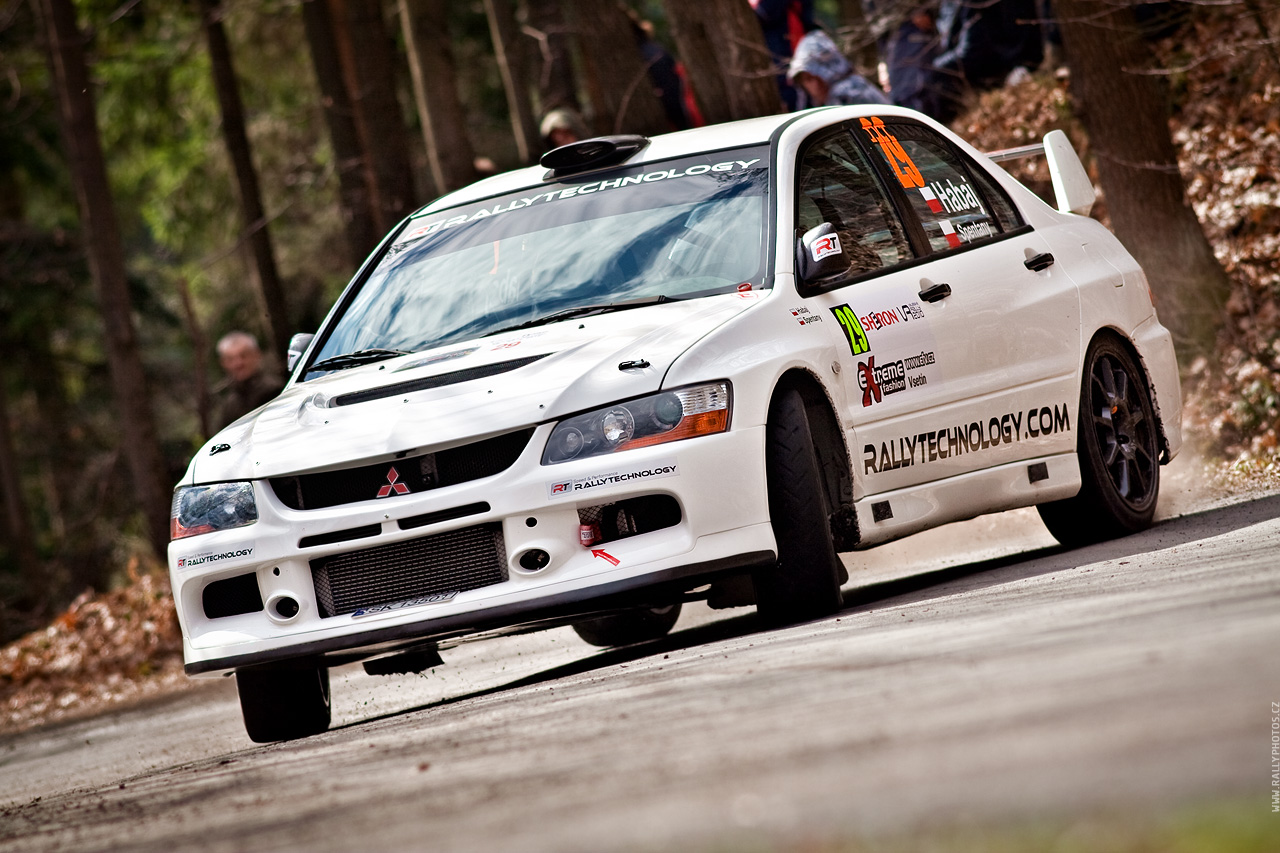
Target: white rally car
{"points": [[657, 370]]}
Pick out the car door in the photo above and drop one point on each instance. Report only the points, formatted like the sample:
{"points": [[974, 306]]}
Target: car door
{"points": [[1005, 321], [963, 346], [885, 345]]}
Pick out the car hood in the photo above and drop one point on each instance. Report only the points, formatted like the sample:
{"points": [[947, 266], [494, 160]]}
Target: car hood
{"points": [[483, 387]]}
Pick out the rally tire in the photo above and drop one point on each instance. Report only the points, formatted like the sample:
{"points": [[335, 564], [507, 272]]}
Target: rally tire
{"points": [[805, 582], [630, 626], [284, 704], [1119, 451]]}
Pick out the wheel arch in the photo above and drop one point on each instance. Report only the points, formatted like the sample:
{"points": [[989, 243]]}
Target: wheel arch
{"points": [[1126, 342], [832, 450]]}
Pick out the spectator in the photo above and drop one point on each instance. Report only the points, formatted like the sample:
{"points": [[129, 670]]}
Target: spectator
{"points": [[561, 127], [247, 386], [826, 77], [982, 43], [784, 23], [666, 75], [913, 82]]}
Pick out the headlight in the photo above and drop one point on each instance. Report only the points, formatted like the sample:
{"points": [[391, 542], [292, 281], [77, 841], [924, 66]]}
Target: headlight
{"points": [[204, 509], [668, 416]]}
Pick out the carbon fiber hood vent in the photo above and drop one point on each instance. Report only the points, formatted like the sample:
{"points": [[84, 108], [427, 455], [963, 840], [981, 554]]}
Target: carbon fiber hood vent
{"points": [[437, 381]]}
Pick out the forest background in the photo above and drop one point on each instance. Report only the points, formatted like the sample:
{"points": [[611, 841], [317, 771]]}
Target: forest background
{"points": [[352, 113]]}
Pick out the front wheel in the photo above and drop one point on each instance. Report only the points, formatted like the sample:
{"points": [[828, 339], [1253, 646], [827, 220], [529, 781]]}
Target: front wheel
{"points": [[630, 626], [1118, 448], [283, 704], [805, 583]]}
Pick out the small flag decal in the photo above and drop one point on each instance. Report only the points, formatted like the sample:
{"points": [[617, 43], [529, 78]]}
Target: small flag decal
{"points": [[953, 239], [931, 199]]}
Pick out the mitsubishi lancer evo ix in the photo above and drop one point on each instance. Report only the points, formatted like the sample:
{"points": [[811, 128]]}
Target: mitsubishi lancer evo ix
{"points": [[651, 371]]}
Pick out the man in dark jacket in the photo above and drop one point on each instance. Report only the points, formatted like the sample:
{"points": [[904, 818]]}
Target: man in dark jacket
{"points": [[247, 385]]}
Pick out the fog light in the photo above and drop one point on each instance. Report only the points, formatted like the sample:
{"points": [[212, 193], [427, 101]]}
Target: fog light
{"points": [[534, 560], [282, 607]]}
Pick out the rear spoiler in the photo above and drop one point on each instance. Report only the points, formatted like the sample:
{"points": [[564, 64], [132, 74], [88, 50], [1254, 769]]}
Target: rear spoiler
{"points": [[1071, 185]]}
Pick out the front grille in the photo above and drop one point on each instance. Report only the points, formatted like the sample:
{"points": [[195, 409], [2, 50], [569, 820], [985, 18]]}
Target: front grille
{"points": [[456, 561], [402, 476]]}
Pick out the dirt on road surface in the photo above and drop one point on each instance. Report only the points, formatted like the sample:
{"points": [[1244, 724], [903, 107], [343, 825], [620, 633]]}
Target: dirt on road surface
{"points": [[978, 677]]}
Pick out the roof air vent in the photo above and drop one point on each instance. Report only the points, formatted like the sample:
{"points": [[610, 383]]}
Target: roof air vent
{"points": [[592, 154]]}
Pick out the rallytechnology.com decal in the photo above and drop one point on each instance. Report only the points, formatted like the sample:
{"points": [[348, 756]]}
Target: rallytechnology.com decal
{"points": [[967, 438], [417, 232], [652, 471], [211, 557]]}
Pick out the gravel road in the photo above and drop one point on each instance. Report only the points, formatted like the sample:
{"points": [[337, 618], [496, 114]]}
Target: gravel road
{"points": [[977, 675]]}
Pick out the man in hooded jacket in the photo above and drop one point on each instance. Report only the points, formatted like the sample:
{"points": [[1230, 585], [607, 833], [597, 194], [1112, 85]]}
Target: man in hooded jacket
{"points": [[826, 77]]}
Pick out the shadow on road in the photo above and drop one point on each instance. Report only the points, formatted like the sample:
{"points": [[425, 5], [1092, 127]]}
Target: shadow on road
{"points": [[1174, 532]]}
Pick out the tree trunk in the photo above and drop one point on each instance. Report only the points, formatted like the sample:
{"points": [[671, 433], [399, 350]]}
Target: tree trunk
{"points": [[435, 85], [349, 158], [622, 95], [723, 51], [19, 533], [855, 31], [507, 47], [367, 50], [106, 264], [546, 27], [1127, 116], [199, 358], [237, 140]]}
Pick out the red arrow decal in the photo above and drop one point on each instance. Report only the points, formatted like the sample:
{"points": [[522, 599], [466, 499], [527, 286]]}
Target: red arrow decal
{"points": [[599, 552]]}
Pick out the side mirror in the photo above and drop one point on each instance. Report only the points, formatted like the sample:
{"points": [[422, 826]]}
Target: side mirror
{"points": [[819, 254], [297, 346]]}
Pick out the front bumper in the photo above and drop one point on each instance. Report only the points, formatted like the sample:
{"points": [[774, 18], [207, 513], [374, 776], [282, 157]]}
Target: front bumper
{"points": [[718, 482]]}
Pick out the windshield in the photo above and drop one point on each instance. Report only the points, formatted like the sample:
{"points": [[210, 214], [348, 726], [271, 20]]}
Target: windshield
{"points": [[677, 229]]}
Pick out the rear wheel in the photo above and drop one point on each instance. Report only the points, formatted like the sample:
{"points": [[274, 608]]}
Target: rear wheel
{"points": [[630, 626], [1118, 447], [283, 704], [805, 582]]}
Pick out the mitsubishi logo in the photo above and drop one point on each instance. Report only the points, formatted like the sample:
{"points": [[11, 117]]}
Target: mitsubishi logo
{"points": [[393, 486]]}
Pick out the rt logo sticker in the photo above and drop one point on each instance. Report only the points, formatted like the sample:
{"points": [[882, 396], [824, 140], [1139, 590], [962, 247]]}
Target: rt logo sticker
{"points": [[823, 246], [853, 331]]}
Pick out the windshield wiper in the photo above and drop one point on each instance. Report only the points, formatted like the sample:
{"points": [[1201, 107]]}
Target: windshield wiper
{"points": [[357, 358], [586, 310]]}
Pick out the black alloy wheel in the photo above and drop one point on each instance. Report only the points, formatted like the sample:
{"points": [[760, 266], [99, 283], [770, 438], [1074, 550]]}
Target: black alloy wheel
{"points": [[1119, 451]]}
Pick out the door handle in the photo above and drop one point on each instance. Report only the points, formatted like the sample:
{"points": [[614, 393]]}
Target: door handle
{"points": [[1042, 261], [935, 292]]}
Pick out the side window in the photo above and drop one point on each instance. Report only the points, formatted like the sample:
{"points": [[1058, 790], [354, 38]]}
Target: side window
{"points": [[836, 184], [955, 203]]}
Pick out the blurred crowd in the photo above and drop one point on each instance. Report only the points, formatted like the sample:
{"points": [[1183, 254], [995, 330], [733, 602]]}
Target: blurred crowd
{"points": [[926, 56]]}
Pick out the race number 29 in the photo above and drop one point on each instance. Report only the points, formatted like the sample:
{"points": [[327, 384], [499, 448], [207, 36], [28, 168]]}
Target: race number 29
{"points": [[896, 156], [853, 330]]}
